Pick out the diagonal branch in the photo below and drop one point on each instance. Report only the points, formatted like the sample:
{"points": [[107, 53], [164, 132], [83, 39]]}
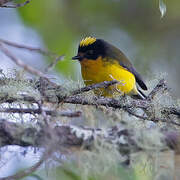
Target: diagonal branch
{"points": [[21, 63], [162, 85], [30, 48], [154, 119], [104, 84], [30, 170]]}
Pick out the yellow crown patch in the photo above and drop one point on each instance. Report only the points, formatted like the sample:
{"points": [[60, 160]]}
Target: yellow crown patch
{"points": [[87, 41]]}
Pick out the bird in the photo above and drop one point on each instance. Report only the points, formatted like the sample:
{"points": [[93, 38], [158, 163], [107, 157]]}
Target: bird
{"points": [[101, 61]]}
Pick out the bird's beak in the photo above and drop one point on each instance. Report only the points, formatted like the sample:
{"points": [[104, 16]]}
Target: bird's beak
{"points": [[76, 57], [79, 56]]}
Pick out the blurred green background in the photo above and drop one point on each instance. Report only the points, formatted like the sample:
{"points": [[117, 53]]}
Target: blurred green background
{"points": [[152, 43]]}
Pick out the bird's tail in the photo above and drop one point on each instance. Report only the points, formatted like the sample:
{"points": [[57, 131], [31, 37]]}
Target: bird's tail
{"points": [[138, 94]]}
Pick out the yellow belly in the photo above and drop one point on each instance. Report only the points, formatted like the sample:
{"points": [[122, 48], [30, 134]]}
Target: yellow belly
{"points": [[96, 71]]}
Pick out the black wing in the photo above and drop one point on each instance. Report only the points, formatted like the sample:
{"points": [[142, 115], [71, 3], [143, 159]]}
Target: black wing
{"points": [[138, 77]]}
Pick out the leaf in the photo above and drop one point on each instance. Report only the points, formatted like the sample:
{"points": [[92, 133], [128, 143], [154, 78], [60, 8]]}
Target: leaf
{"points": [[162, 8]]}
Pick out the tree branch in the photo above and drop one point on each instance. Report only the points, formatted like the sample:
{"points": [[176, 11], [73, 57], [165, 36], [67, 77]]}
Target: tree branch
{"points": [[129, 106], [38, 111], [20, 63], [104, 84], [2, 2], [30, 170], [34, 49], [73, 136], [162, 85]]}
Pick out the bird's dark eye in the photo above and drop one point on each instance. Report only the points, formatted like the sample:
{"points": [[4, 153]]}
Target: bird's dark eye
{"points": [[90, 52]]}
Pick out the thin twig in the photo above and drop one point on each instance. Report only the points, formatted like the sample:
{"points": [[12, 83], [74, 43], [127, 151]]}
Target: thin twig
{"points": [[71, 114], [7, 99], [161, 85], [172, 110], [104, 84], [30, 170], [150, 119], [30, 48], [14, 6], [53, 64], [2, 2], [20, 63], [43, 113], [56, 57]]}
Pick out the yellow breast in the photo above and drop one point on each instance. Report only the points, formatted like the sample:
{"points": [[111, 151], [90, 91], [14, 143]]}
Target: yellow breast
{"points": [[96, 71]]}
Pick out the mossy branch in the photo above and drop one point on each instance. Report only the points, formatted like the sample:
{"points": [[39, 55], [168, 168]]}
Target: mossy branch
{"points": [[60, 95], [73, 136]]}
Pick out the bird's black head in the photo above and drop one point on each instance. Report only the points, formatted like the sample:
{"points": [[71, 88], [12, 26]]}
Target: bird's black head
{"points": [[91, 48]]}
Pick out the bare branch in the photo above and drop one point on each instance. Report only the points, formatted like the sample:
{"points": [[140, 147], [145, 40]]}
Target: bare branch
{"points": [[38, 111], [154, 119], [21, 63], [162, 85], [53, 64], [7, 99], [30, 48], [2, 2], [13, 6], [172, 110], [30, 170], [104, 84]]}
